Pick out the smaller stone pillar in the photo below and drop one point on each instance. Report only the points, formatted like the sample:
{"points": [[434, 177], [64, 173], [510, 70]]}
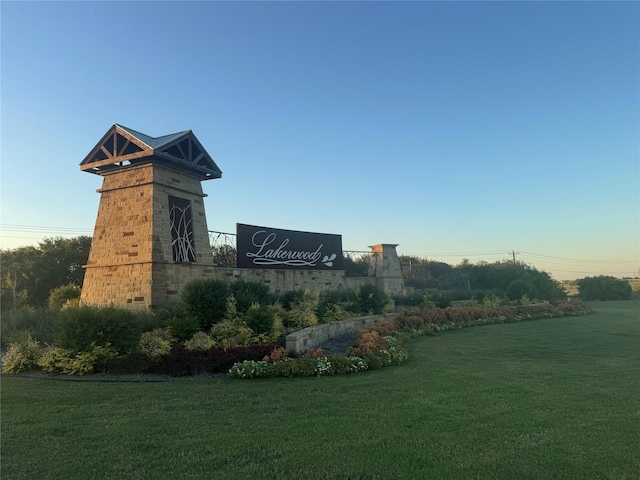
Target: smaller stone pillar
{"points": [[386, 266]]}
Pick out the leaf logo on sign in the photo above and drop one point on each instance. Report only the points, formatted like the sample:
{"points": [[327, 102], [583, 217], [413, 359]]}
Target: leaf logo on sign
{"points": [[328, 261]]}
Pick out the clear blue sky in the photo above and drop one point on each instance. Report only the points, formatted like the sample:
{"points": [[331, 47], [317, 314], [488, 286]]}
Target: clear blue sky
{"points": [[456, 130]]}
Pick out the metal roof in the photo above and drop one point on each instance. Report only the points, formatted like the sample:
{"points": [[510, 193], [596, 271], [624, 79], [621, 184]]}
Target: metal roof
{"points": [[122, 147], [154, 142]]}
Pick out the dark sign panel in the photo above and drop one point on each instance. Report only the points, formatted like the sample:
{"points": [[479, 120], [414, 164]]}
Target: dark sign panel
{"points": [[264, 247]]}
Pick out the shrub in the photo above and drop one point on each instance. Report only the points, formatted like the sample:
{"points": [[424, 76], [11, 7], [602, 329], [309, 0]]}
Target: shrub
{"points": [[371, 300], [303, 311], [426, 303], [518, 289], [55, 359], [37, 322], [200, 341], [485, 300], [22, 355], [440, 300], [289, 298], [79, 328], [168, 311], [60, 295], [230, 334], [70, 303], [64, 360], [434, 316], [206, 300], [247, 293], [373, 361], [231, 310], [409, 321], [260, 319], [384, 327], [279, 353], [367, 341], [156, 342], [331, 305], [315, 353], [183, 327], [333, 313]]}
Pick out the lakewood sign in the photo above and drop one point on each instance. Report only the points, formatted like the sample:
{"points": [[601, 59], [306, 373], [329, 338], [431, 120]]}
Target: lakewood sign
{"points": [[264, 247]]}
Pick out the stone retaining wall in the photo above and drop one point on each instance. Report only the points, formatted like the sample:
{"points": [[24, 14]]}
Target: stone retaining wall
{"points": [[311, 337]]}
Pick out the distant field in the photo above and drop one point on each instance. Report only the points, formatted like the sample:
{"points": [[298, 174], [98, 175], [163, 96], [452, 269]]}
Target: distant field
{"points": [[546, 399]]}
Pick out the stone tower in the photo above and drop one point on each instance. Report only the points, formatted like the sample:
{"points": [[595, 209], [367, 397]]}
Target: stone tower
{"points": [[151, 233]]}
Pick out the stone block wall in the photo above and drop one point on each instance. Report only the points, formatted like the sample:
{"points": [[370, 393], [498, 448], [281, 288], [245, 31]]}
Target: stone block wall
{"points": [[283, 280], [280, 281], [312, 337], [389, 276]]}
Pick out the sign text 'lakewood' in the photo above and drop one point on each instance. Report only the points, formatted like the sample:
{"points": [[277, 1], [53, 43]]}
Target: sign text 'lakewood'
{"points": [[264, 247]]}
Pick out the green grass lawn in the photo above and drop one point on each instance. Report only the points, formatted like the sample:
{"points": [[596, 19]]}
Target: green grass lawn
{"points": [[546, 399]]}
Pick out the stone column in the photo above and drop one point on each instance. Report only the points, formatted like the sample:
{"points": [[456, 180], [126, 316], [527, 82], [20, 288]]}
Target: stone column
{"points": [[131, 263], [386, 265]]}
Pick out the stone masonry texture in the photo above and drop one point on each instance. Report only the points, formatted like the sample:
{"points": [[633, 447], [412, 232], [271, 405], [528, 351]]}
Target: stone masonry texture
{"points": [[131, 262]]}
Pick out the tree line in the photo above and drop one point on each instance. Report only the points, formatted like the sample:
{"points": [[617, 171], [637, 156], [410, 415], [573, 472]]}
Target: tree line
{"points": [[29, 274]]}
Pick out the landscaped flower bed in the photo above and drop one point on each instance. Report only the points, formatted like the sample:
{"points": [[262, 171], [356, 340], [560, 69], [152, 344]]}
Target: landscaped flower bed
{"points": [[381, 345], [316, 364], [158, 352]]}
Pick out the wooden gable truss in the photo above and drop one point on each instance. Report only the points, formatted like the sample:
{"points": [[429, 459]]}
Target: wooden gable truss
{"points": [[122, 146]]}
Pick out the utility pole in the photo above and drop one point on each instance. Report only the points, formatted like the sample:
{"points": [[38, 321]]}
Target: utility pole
{"points": [[514, 253]]}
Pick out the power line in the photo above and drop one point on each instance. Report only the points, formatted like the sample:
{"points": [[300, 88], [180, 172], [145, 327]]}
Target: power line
{"points": [[571, 259], [42, 229], [461, 254]]}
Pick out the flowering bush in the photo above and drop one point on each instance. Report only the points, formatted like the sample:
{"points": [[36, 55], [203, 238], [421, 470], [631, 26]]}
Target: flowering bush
{"points": [[299, 367], [373, 351], [251, 369]]}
